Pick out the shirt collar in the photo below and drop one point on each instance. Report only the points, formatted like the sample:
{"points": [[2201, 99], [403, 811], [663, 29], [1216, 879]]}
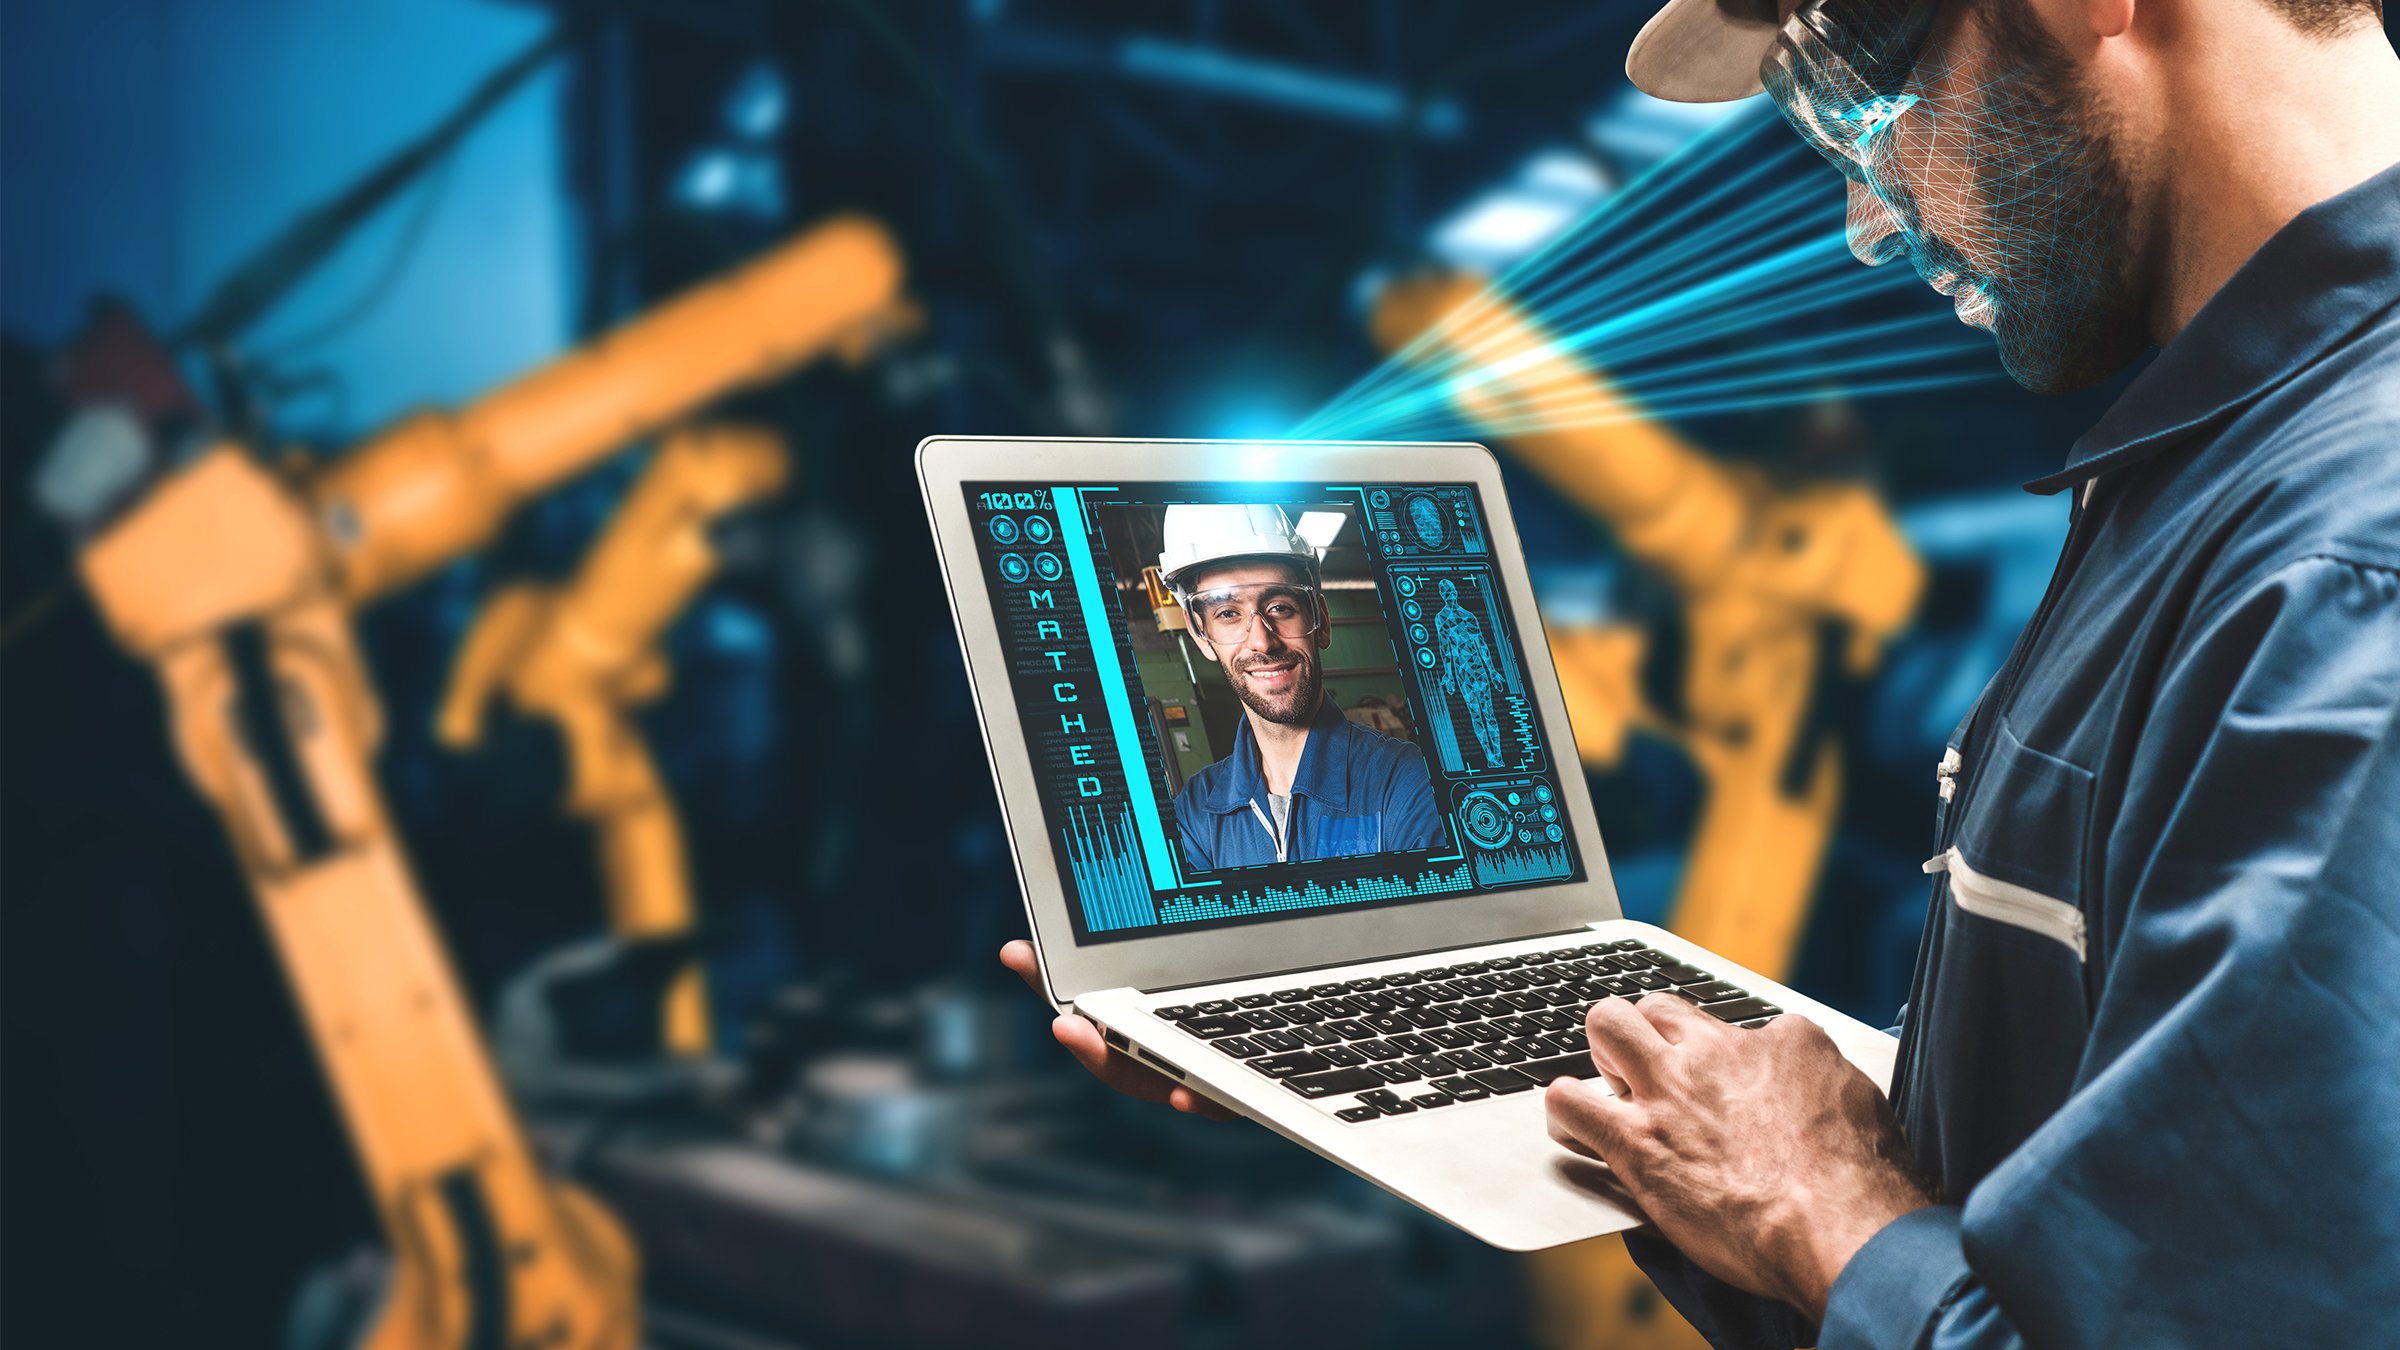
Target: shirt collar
{"points": [[1320, 777], [2315, 282]]}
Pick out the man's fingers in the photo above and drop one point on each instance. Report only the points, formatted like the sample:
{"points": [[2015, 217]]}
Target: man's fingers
{"points": [[1625, 1044], [1082, 1040], [1675, 1018], [1018, 956], [1193, 1104], [1584, 1119]]}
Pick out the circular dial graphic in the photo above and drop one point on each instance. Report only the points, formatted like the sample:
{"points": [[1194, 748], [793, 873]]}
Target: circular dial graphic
{"points": [[1485, 820]]}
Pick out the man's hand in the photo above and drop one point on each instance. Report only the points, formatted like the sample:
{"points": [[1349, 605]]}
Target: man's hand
{"points": [[1764, 1155], [1121, 1072]]}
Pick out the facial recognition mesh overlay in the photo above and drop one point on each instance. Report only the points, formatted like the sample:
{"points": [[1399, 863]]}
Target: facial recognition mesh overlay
{"points": [[1110, 748]]}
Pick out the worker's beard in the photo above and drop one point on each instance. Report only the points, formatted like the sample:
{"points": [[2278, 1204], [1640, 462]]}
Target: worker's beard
{"points": [[2047, 234], [1295, 705]]}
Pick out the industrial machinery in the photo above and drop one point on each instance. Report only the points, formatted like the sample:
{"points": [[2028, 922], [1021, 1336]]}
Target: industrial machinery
{"points": [[584, 655], [237, 583], [1784, 593]]}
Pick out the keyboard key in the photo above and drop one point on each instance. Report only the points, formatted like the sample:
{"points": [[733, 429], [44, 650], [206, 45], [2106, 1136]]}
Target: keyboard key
{"points": [[1378, 1050], [1177, 1013], [1504, 1054], [1430, 1100], [1503, 1081], [1371, 1004], [1390, 1024], [1241, 1047], [1350, 1031], [1395, 1072], [1356, 1114], [1508, 983], [1532, 1047], [1324, 990], [1401, 979], [1291, 996], [1405, 1000], [1341, 1056], [1377, 1096], [1560, 1066], [1551, 1019], [1449, 1038], [1315, 1085], [1312, 1036], [1292, 1064], [1740, 1009], [1299, 1014], [1413, 1043], [1334, 1008], [1756, 1023], [1516, 1026], [1255, 1001], [1466, 1061], [1467, 968], [1281, 1042], [1651, 980], [1563, 997], [1715, 991], [1441, 991], [1547, 977], [1682, 974], [1541, 957], [1428, 1065], [1427, 1018], [1565, 1041], [1461, 1089], [1218, 1007], [1397, 1109], [1500, 963], [1211, 1028], [1482, 1033], [1525, 1000], [1620, 986], [1478, 986], [1364, 986], [1437, 973], [1629, 945], [1491, 1007], [1263, 1019]]}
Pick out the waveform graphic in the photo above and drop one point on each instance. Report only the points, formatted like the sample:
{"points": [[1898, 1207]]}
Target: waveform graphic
{"points": [[1109, 877], [1273, 899], [1520, 865]]}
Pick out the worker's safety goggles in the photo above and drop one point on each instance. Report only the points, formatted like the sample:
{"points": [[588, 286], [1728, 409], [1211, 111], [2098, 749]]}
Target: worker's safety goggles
{"points": [[1225, 615], [1842, 71]]}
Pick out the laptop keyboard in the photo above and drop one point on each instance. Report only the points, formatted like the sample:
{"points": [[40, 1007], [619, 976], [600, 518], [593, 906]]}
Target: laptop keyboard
{"points": [[1421, 1040]]}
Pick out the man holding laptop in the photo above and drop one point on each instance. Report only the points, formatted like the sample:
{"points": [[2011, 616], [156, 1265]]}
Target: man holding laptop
{"points": [[2144, 1093]]}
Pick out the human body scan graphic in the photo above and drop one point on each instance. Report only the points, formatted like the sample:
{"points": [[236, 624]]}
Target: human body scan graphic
{"points": [[1478, 717], [1467, 670]]}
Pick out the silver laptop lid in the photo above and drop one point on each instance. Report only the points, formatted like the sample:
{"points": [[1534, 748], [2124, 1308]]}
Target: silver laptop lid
{"points": [[1455, 810]]}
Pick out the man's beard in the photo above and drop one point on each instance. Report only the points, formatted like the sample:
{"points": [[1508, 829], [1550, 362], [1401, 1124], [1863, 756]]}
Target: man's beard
{"points": [[1296, 706], [2051, 216]]}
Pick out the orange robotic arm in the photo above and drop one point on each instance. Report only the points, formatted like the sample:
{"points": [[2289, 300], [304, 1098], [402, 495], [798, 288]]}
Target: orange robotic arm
{"points": [[1767, 579], [586, 654], [239, 591]]}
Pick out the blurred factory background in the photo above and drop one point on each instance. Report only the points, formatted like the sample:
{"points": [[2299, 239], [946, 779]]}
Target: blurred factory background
{"points": [[1161, 218]]}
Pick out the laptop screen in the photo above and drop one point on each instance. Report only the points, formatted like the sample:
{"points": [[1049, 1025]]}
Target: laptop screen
{"points": [[1246, 702]]}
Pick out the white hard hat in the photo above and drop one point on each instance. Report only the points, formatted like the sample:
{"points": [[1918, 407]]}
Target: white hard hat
{"points": [[1703, 51], [1197, 534]]}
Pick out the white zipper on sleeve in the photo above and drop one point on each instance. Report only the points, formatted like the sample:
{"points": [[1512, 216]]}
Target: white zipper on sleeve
{"points": [[1945, 774], [2008, 903]]}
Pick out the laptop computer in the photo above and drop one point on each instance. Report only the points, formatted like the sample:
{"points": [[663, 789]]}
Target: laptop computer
{"points": [[1385, 961]]}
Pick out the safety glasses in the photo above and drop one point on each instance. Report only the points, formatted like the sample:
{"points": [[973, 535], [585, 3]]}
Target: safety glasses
{"points": [[1225, 615], [1840, 72]]}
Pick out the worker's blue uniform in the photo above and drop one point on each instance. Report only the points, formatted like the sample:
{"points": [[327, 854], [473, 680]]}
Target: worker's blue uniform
{"points": [[2167, 1110], [1356, 791]]}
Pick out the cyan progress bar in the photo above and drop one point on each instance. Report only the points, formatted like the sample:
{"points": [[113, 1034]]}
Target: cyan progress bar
{"points": [[1096, 623], [1108, 872]]}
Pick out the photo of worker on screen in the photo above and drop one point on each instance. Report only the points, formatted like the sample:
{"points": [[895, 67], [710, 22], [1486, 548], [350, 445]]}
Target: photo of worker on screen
{"points": [[1302, 781]]}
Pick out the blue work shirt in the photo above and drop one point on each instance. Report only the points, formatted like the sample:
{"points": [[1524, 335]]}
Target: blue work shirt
{"points": [[2149, 1055], [1356, 791]]}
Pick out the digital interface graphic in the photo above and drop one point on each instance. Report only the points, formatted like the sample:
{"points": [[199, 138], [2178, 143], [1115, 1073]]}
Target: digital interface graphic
{"points": [[1096, 747]]}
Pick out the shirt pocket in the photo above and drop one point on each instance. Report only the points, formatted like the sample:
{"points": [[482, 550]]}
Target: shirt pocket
{"points": [[2017, 859], [1346, 836], [2005, 1014]]}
